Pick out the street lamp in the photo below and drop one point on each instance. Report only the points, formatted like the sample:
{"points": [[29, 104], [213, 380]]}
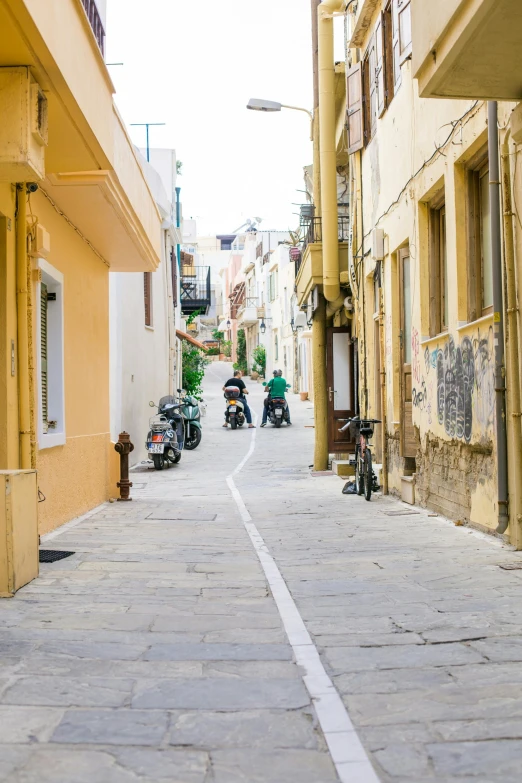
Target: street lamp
{"points": [[259, 104], [262, 327], [228, 324]]}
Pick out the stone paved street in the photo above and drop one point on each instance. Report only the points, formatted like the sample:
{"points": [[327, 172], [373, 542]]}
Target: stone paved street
{"points": [[157, 652]]}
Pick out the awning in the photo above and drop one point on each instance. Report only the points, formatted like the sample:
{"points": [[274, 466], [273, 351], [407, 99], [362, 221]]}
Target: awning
{"points": [[222, 326], [184, 336]]}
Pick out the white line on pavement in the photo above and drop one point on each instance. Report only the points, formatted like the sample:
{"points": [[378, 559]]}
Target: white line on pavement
{"points": [[348, 755]]}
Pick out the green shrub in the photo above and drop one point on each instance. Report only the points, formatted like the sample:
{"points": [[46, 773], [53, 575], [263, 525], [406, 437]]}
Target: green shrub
{"points": [[194, 363], [241, 363], [259, 356]]}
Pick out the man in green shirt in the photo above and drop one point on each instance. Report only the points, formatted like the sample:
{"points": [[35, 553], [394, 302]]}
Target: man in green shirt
{"points": [[275, 388]]}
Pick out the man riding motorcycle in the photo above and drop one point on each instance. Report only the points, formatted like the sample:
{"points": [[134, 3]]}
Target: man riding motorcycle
{"points": [[236, 381], [275, 388]]}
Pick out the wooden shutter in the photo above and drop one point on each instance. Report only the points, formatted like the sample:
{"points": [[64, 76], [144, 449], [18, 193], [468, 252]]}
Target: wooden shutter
{"points": [[380, 82], [396, 44], [354, 97], [404, 25], [43, 356], [147, 297]]}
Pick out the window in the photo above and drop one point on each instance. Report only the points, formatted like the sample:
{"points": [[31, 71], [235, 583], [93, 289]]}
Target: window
{"points": [[372, 84], [438, 267], [276, 348], [50, 358], [480, 267], [147, 297], [272, 286], [404, 28]]}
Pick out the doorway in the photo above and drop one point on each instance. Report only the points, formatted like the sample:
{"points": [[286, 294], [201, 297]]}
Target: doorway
{"points": [[341, 391], [408, 441]]}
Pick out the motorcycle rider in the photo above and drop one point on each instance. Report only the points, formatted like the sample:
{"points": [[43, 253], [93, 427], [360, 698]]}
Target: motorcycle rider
{"points": [[236, 381], [275, 388]]}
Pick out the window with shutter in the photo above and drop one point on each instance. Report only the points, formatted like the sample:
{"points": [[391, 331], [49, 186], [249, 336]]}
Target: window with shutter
{"points": [[147, 296], [396, 58], [380, 85], [354, 93], [44, 357], [372, 82], [404, 20]]}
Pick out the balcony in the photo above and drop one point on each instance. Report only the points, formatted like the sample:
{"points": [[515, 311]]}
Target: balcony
{"points": [[309, 271], [467, 48], [195, 289], [247, 314], [92, 171], [314, 231]]}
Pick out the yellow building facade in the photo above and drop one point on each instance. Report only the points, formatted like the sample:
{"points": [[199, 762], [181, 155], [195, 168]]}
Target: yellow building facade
{"points": [[74, 204], [421, 255]]}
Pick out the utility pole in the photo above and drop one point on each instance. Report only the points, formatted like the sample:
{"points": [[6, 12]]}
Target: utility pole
{"points": [[147, 125]]}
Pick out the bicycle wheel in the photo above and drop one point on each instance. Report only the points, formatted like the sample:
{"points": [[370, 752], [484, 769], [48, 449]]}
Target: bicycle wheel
{"points": [[368, 475], [359, 477]]}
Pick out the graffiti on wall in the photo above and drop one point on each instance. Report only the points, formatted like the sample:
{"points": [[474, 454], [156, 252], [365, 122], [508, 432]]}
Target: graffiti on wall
{"points": [[465, 387], [415, 356]]}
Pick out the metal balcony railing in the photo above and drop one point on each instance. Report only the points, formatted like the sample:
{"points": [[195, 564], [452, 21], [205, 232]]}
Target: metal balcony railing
{"points": [[95, 21], [195, 289], [314, 230]]}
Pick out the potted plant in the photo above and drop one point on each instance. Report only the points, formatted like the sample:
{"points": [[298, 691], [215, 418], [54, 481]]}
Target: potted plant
{"points": [[296, 238], [259, 356]]}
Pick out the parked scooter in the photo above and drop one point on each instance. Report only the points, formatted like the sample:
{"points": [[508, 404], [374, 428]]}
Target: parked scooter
{"points": [[278, 410], [191, 413], [235, 410], [166, 434]]}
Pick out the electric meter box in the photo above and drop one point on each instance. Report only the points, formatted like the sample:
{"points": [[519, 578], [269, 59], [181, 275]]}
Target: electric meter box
{"points": [[18, 529], [23, 129]]}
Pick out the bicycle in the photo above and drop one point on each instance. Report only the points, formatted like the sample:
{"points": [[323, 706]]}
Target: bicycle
{"points": [[365, 479]]}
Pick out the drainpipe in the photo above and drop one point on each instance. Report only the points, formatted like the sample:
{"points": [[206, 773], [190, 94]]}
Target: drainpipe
{"points": [[22, 307], [327, 154], [498, 318], [512, 341]]}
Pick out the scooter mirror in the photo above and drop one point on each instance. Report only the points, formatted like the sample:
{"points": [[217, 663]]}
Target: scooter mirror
{"points": [[179, 391], [152, 404], [264, 383], [287, 385]]}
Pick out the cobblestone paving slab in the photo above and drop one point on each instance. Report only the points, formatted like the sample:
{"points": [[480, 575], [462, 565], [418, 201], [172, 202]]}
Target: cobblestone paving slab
{"points": [[156, 653]]}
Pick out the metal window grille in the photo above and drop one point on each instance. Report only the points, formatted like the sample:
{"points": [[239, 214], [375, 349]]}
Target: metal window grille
{"points": [[43, 355], [147, 296]]}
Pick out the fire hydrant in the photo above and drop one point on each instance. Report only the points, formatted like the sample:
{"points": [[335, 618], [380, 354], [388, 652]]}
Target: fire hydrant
{"points": [[124, 448]]}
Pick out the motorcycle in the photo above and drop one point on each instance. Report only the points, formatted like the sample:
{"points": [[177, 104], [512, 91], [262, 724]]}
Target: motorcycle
{"points": [[191, 413], [235, 410], [277, 410], [165, 439]]}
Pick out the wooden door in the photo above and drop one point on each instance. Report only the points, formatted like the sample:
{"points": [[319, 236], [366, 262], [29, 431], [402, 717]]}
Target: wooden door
{"points": [[408, 442], [341, 392]]}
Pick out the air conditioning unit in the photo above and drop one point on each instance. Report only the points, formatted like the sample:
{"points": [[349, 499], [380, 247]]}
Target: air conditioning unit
{"points": [[23, 129]]}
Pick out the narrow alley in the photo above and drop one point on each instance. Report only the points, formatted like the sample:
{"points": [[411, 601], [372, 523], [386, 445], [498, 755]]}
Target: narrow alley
{"points": [[167, 648]]}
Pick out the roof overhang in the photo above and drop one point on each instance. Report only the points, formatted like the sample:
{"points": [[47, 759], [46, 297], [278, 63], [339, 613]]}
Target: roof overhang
{"points": [[184, 336]]}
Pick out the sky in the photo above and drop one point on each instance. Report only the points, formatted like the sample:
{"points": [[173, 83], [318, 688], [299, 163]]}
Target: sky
{"points": [[194, 64]]}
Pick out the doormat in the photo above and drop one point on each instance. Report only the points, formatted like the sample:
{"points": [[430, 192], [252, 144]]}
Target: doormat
{"points": [[511, 566], [400, 513], [52, 555], [322, 473]]}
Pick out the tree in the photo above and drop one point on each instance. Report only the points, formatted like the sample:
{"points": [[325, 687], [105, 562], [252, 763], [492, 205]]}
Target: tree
{"points": [[241, 363]]}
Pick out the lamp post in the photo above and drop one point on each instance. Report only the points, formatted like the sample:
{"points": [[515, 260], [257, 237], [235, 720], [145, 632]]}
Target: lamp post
{"points": [[259, 104]]}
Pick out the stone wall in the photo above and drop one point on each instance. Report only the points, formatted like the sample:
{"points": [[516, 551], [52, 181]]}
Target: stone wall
{"points": [[449, 473]]}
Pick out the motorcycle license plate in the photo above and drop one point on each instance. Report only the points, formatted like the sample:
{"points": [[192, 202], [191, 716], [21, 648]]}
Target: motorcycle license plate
{"points": [[156, 448], [278, 411]]}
